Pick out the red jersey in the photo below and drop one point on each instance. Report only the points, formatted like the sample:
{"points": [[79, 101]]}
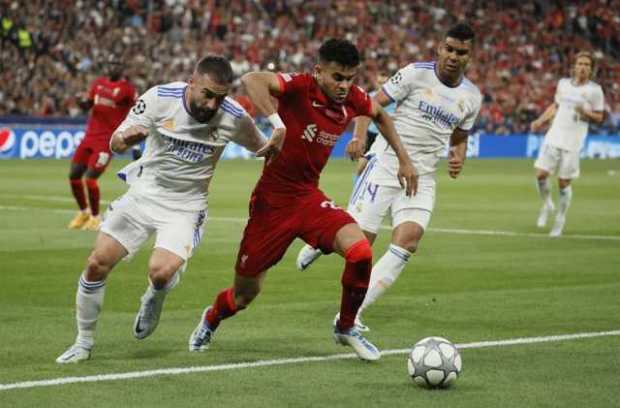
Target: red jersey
{"points": [[111, 103], [314, 124]]}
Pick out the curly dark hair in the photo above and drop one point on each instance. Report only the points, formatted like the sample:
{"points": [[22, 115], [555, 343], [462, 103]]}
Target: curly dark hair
{"points": [[340, 51]]}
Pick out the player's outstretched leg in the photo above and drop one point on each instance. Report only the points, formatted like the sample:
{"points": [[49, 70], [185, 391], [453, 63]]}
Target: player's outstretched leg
{"points": [[354, 286], [542, 185], [384, 274], [566, 195], [307, 255], [90, 294], [94, 222], [223, 308], [151, 305], [89, 301], [83, 215], [165, 268]]}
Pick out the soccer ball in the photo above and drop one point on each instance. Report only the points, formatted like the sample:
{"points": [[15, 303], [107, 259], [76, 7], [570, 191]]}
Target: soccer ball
{"points": [[434, 362]]}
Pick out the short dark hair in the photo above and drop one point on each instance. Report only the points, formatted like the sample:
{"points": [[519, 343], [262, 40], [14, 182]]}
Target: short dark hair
{"points": [[462, 32], [217, 67], [339, 51]]}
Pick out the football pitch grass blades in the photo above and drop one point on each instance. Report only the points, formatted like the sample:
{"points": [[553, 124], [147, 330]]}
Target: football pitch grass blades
{"points": [[483, 272]]}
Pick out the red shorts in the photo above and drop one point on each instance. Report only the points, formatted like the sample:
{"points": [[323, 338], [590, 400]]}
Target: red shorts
{"points": [[94, 154], [272, 228]]}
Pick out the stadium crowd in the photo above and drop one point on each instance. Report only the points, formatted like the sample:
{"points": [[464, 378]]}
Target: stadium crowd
{"points": [[51, 49]]}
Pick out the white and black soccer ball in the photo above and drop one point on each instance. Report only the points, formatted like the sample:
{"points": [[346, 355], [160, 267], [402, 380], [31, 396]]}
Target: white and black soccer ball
{"points": [[434, 362]]}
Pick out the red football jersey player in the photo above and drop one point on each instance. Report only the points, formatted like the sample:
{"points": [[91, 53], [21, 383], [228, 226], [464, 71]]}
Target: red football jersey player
{"points": [[109, 98], [313, 112]]}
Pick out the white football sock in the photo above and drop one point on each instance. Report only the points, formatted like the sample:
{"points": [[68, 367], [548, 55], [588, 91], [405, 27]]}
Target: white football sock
{"points": [[89, 301], [544, 190], [566, 195], [384, 273]]}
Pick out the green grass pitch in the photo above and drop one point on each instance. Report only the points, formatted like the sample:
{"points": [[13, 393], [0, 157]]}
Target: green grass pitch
{"points": [[466, 283]]}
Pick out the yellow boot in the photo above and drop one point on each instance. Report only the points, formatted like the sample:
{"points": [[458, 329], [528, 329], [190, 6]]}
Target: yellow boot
{"points": [[93, 223], [80, 219]]}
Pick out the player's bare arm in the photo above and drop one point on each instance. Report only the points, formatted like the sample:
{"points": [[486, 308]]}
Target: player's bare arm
{"points": [[596, 117], [543, 119], [260, 87], [407, 174], [123, 140], [355, 148], [457, 152], [256, 140]]}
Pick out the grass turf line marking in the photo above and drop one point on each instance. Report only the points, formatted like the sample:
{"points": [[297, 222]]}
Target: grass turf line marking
{"points": [[383, 227], [285, 361]]}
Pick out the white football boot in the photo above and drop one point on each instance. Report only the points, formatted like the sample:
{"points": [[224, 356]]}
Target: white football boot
{"points": [[74, 354], [558, 226], [545, 211], [306, 256], [200, 338], [147, 318], [364, 349]]}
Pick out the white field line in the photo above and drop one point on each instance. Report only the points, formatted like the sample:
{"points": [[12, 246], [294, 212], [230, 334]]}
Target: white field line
{"points": [[456, 231], [284, 361]]}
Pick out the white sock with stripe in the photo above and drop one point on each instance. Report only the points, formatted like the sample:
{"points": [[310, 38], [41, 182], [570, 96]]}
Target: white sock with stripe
{"points": [[544, 190], [89, 301], [566, 195], [384, 273]]}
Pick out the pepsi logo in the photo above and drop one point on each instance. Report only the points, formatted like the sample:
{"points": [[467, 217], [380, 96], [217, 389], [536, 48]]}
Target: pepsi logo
{"points": [[7, 139]]}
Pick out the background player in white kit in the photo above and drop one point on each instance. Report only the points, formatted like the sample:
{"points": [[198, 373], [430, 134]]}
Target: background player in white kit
{"points": [[436, 106], [186, 126], [578, 101]]}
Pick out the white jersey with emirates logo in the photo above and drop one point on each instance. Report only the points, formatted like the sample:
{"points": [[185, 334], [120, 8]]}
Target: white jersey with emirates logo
{"points": [[181, 153], [568, 130], [427, 112]]}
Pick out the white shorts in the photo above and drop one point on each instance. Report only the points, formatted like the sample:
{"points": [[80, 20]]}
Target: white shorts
{"points": [[131, 221], [552, 159], [370, 203]]}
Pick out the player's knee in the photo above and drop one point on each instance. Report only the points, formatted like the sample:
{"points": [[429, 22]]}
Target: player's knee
{"points": [[91, 183], [97, 268], [359, 252], [563, 183], [161, 274]]}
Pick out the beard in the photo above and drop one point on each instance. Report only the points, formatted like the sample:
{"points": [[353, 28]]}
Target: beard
{"points": [[200, 114]]}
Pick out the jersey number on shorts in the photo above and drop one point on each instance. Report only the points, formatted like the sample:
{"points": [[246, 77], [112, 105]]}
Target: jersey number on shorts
{"points": [[371, 189]]}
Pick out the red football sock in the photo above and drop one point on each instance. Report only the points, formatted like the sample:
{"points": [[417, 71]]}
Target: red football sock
{"points": [[223, 308], [93, 195], [355, 280], [77, 188]]}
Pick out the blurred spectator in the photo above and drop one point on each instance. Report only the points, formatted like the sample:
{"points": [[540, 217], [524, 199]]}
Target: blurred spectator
{"points": [[51, 48]]}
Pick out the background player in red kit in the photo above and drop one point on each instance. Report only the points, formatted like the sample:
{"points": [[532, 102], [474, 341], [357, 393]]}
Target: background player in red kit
{"points": [[314, 110], [110, 98]]}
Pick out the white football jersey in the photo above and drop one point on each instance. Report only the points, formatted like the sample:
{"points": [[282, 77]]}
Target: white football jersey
{"points": [[427, 112], [181, 153], [568, 130]]}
